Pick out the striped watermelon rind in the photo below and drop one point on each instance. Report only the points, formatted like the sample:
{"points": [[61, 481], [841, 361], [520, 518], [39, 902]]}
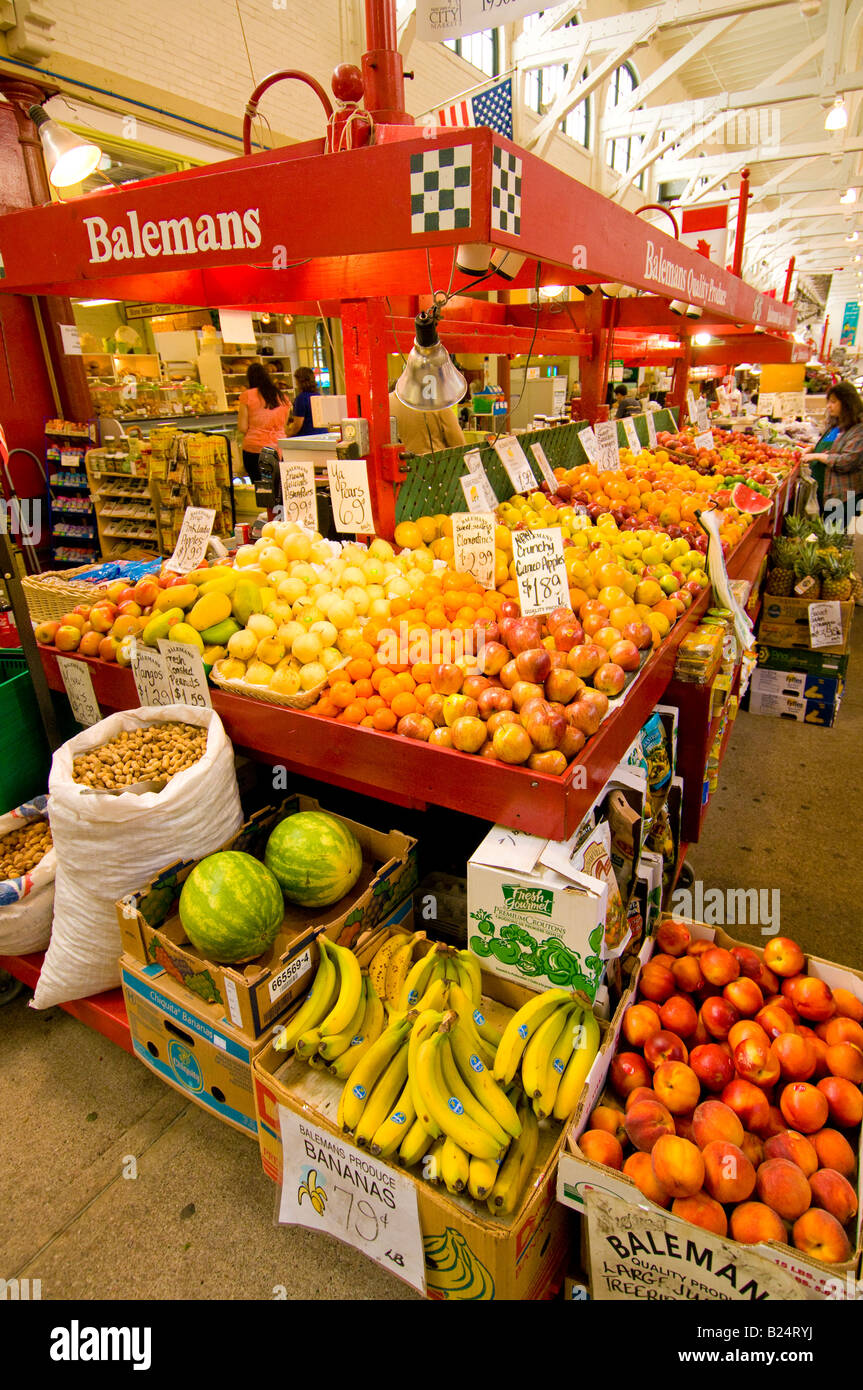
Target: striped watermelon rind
{"points": [[316, 858], [231, 907]]}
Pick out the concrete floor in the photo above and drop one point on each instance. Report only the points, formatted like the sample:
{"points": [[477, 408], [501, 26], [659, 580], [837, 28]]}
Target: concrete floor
{"points": [[198, 1219]]}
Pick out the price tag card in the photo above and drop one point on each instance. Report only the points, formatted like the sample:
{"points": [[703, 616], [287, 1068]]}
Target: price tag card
{"points": [[329, 1185], [70, 337], [79, 688], [478, 492], [724, 399], [825, 624], [193, 539], [473, 544], [351, 498], [691, 408], [609, 449], [186, 675], [588, 442], [702, 415], [544, 466], [704, 441], [70, 460], [766, 402], [631, 433], [650, 417], [299, 499], [515, 461], [151, 676], [540, 571]]}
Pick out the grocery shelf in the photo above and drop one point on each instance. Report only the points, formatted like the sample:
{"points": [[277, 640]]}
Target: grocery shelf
{"points": [[106, 1013]]}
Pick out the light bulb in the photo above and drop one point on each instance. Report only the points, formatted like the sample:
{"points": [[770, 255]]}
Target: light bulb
{"points": [[702, 339], [849, 196], [837, 116], [68, 158]]}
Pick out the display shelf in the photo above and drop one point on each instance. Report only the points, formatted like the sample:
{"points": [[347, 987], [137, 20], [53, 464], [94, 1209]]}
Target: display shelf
{"points": [[106, 1012]]}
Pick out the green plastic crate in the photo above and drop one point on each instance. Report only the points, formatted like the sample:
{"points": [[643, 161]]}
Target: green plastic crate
{"points": [[25, 757]]}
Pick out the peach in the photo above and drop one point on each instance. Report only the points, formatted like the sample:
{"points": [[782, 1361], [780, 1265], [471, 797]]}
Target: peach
{"points": [[782, 1185], [795, 1147], [820, 1049], [767, 982], [678, 1016], [834, 1151], [718, 1016], [662, 958], [754, 1061], [753, 1223], [687, 974], [611, 1120], [812, 998], [628, 1070], [753, 1148], [834, 1193], [652, 1004], [639, 1023], [820, 1235], [657, 982], [677, 1086], [783, 956], [749, 962], [848, 1005], [601, 1147], [774, 1019], [745, 996], [701, 1210], [640, 1093], [639, 1167], [839, 1030], [719, 966], [794, 1055], [805, 1107], [673, 937], [846, 1060], [844, 1101], [677, 1166], [748, 1102], [664, 1047], [646, 1122], [697, 948], [746, 1028], [712, 1065], [728, 1174], [683, 1127], [783, 1001], [712, 1120]]}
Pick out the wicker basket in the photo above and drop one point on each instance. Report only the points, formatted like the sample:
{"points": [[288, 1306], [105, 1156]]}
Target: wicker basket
{"points": [[304, 699], [56, 592]]}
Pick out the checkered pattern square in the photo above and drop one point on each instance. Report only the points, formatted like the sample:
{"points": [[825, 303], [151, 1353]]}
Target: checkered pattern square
{"points": [[506, 193], [440, 189]]}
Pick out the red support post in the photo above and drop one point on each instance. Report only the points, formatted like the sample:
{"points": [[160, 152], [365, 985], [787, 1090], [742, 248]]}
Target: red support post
{"points": [[824, 337], [677, 394], [592, 369], [383, 70], [742, 207], [790, 272]]}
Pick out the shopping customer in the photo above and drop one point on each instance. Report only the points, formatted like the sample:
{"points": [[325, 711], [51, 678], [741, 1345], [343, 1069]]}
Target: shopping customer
{"points": [[262, 411], [301, 416], [837, 459], [625, 404]]}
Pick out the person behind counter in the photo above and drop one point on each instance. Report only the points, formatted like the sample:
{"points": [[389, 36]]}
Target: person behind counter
{"points": [[301, 417], [624, 403], [262, 410], [424, 431], [836, 462]]}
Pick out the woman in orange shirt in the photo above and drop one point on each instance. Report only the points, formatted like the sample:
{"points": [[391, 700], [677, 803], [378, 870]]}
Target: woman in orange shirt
{"points": [[262, 411]]}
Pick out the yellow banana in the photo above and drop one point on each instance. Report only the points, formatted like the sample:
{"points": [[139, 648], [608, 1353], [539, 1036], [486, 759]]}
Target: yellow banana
{"points": [[380, 963], [459, 1092], [517, 1166], [382, 1099], [351, 977], [454, 1167], [558, 1059], [470, 975], [417, 981], [414, 1145], [536, 1058], [585, 1045], [447, 1112], [320, 1000], [435, 997], [398, 966], [432, 1160], [369, 1069], [424, 1024], [374, 1021], [482, 1176], [461, 1004], [521, 1028], [491, 1033], [481, 1083], [332, 1045], [396, 1127]]}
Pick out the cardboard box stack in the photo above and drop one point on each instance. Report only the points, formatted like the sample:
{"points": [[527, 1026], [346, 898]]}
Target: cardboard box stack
{"points": [[794, 679]]}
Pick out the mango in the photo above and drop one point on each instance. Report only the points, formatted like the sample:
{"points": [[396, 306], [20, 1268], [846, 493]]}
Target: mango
{"points": [[199, 576], [180, 596], [220, 633], [160, 625], [222, 584], [182, 632], [208, 611], [254, 576], [246, 600], [213, 654]]}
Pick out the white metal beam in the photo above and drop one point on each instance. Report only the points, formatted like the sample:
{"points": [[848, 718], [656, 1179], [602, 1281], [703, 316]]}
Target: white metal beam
{"points": [[706, 35], [760, 154], [576, 88]]}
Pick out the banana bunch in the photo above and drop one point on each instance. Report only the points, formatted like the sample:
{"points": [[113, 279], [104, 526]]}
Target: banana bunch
{"points": [[553, 1041], [341, 1018]]}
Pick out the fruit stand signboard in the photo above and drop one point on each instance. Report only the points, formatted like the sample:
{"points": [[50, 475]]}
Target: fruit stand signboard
{"points": [[515, 461], [79, 688], [193, 539], [330, 1185], [473, 545], [349, 489], [540, 572]]}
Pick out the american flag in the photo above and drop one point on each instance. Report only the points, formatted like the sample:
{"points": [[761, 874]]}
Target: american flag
{"points": [[491, 107]]}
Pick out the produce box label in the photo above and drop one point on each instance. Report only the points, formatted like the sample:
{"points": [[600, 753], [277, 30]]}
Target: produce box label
{"points": [[293, 972], [193, 539], [609, 448], [631, 433], [299, 499], [473, 545], [330, 1185], [186, 675], [351, 498], [540, 571], [825, 624], [544, 466], [515, 461], [79, 688]]}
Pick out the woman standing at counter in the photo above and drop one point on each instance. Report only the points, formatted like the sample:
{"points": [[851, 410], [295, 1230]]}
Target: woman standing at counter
{"points": [[301, 417], [262, 411]]}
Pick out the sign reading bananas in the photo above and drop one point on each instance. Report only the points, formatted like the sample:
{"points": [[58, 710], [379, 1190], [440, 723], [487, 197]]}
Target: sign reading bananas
{"points": [[330, 1185]]}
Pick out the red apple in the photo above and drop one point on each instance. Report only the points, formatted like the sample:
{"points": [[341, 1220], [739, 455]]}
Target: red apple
{"points": [[609, 678], [586, 658]]}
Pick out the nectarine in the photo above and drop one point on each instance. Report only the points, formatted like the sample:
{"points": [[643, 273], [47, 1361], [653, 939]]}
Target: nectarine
{"points": [[702, 1210], [753, 1223], [844, 1101], [795, 1147], [728, 1174], [639, 1167], [782, 1185], [834, 1151], [677, 1166], [820, 1235], [601, 1147], [834, 1193], [712, 1120], [677, 1086], [646, 1122], [805, 1107]]}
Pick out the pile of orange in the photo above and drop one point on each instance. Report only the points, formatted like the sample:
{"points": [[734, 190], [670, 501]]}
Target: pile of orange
{"points": [[374, 695]]}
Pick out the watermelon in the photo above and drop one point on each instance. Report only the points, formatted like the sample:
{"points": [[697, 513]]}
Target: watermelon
{"points": [[315, 858], [746, 499], [231, 907]]}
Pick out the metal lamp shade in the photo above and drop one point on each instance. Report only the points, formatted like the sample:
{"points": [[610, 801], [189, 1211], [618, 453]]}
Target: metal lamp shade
{"points": [[68, 158], [429, 380]]}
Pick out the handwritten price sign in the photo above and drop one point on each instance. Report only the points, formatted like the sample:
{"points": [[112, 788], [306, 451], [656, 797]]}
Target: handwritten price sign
{"points": [[825, 624], [631, 433], [589, 444], [150, 675], [473, 544], [193, 539], [478, 492], [186, 675], [544, 466], [329, 1185], [299, 499], [609, 449], [515, 461], [651, 428], [349, 490], [540, 571], [79, 688]]}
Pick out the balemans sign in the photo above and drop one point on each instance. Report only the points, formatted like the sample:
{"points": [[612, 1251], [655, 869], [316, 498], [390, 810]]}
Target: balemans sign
{"points": [[174, 236]]}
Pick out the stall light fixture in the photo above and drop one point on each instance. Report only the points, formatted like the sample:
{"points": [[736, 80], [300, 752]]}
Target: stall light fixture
{"points": [[853, 236], [429, 380], [837, 116], [551, 291], [702, 339], [94, 303], [68, 158], [849, 196]]}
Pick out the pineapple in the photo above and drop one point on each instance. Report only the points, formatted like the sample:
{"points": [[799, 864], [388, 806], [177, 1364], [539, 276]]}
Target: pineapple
{"points": [[836, 570], [807, 564], [856, 588], [780, 580], [798, 526]]}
